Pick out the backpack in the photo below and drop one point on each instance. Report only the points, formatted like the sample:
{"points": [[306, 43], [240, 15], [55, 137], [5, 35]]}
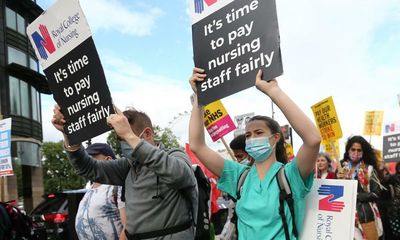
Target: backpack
{"points": [[285, 194], [203, 228]]}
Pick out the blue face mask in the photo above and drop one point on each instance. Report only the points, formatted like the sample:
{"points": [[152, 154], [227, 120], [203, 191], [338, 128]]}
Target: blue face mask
{"points": [[126, 149], [259, 148]]}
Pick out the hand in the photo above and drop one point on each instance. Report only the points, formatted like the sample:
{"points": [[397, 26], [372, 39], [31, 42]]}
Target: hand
{"points": [[336, 191], [327, 204], [197, 76], [120, 123], [58, 120], [265, 86], [343, 174]]}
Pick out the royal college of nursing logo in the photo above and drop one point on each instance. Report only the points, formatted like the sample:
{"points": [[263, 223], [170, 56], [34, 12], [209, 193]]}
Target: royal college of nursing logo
{"points": [[199, 5], [328, 203], [43, 42]]}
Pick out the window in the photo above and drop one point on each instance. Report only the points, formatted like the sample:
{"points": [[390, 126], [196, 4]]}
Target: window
{"points": [[15, 101], [17, 56], [21, 28], [24, 99], [35, 100], [11, 20], [27, 153], [15, 21], [33, 64], [25, 103]]}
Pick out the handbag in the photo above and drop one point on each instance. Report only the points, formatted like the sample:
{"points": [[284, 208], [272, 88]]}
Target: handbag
{"points": [[378, 219]]}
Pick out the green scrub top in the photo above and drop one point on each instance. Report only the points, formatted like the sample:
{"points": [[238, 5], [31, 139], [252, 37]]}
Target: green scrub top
{"points": [[258, 207]]}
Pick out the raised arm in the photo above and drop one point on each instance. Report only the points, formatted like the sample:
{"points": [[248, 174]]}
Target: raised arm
{"points": [[211, 159], [308, 152], [107, 172]]}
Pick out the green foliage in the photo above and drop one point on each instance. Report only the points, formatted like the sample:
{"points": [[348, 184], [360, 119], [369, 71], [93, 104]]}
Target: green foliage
{"points": [[58, 173], [163, 135], [114, 143], [166, 137]]}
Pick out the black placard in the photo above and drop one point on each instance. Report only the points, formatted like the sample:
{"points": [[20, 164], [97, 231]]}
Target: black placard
{"points": [[232, 44], [79, 86], [391, 148]]}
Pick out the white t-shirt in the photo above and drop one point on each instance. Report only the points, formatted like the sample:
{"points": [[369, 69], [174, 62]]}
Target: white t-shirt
{"points": [[98, 216]]}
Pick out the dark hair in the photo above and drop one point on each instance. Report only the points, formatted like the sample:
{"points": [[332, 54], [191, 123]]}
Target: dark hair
{"points": [[275, 128], [368, 152], [398, 167], [238, 143], [138, 120]]}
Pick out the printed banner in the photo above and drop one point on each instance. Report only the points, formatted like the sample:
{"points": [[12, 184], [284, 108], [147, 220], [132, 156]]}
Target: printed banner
{"points": [[330, 210], [327, 120], [393, 127], [63, 43], [217, 120], [373, 123], [241, 122], [328, 148], [289, 151], [6, 168], [391, 148], [231, 41]]}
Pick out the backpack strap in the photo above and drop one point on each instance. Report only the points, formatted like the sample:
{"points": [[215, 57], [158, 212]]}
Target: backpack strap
{"points": [[285, 194], [240, 183]]}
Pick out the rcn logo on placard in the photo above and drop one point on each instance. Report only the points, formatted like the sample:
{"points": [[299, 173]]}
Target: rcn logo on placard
{"points": [[199, 5], [331, 193], [43, 42]]}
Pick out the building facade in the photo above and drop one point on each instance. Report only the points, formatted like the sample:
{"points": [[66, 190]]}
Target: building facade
{"points": [[21, 86]]}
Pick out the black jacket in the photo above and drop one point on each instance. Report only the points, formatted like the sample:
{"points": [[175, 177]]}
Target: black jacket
{"points": [[363, 207]]}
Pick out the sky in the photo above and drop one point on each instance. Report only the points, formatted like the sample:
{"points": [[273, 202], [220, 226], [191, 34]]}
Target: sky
{"points": [[345, 49]]}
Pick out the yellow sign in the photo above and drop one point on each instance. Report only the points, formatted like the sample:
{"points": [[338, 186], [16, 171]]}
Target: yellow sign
{"points": [[289, 151], [327, 120], [373, 123], [332, 148], [213, 112]]}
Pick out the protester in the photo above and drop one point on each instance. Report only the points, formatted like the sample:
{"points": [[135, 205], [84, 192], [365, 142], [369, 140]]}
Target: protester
{"points": [[324, 167], [257, 208], [238, 145], [361, 163], [385, 200], [393, 216], [160, 186], [99, 212]]}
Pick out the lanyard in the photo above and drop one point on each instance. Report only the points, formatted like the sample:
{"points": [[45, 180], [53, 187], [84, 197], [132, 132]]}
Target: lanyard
{"points": [[357, 168]]}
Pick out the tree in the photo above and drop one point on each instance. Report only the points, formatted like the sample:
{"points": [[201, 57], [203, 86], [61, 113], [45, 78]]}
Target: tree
{"points": [[163, 135], [58, 173]]}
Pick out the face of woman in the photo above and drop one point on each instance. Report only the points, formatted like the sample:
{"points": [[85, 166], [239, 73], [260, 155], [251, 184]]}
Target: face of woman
{"points": [[256, 129], [260, 142], [322, 163], [355, 152]]}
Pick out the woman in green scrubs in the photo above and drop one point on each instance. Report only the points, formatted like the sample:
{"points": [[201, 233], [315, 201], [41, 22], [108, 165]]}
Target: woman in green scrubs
{"points": [[258, 206]]}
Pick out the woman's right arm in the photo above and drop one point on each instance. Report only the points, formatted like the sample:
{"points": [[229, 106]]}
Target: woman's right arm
{"points": [[211, 159]]}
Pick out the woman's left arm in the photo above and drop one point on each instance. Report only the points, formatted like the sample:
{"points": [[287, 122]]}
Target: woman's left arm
{"points": [[307, 154]]}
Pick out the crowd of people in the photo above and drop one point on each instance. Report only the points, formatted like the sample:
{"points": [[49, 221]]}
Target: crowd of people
{"points": [[161, 192]]}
